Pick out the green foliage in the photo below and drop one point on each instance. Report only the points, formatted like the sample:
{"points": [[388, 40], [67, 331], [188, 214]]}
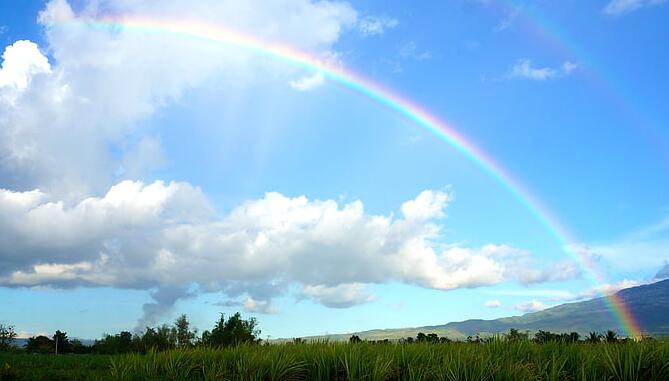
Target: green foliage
{"points": [[40, 344], [114, 344], [61, 343], [7, 337], [47, 367], [185, 336], [545, 337], [232, 331]]}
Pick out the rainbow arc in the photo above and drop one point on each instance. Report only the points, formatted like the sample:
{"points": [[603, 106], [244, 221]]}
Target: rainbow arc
{"points": [[391, 100]]}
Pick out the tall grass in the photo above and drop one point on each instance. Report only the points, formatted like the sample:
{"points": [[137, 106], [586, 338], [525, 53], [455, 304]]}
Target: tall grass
{"points": [[495, 360]]}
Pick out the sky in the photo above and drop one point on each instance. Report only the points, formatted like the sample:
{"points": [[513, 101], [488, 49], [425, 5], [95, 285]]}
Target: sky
{"points": [[146, 173]]}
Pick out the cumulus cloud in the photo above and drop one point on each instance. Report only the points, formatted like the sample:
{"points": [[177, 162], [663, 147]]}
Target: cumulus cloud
{"points": [[21, 62], [259, 306], [494, 303], [531, 306], [427, 205], [524, 68], [308, 83], [166, 237], [340, 296], [621, 7], [608, 289], [375, 25], [61, 120]]}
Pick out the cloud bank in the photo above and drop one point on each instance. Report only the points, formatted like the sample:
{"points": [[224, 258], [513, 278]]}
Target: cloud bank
{"points": [[167, 236], [68, 126]]}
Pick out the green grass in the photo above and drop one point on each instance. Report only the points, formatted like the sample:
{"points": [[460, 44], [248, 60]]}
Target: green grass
{"points": [[23, 366], [496, 360]]}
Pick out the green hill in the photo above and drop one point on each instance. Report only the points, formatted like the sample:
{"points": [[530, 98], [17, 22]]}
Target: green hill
{"points": [[649, 304]]}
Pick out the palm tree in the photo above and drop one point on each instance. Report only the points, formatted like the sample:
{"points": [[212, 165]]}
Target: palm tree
{"points": [[611, 337], [594, 337]]}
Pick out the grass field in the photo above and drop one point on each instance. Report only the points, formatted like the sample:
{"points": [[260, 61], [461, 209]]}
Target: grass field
{"points": [[497, 360]]}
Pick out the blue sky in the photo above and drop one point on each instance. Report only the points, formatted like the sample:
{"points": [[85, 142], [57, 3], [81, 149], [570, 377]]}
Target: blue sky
{"points": [[144, 176]]}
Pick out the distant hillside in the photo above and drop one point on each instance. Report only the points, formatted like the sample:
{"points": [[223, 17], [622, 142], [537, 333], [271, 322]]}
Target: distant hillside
{"points": [[22, 342], [649, 303]]}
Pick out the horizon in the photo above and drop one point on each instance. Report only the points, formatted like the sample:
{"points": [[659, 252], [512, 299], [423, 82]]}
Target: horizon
{"points": [[327, 166]]}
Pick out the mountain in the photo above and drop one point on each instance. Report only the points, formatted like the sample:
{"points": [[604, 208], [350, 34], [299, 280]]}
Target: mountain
{"points": [[648, 303]]}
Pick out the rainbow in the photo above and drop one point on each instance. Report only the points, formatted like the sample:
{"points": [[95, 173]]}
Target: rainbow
{"points": [[393, 101]]}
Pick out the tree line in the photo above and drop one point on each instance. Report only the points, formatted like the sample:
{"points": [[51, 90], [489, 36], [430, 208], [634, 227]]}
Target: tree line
{"points": [[237, 330], [513, 335], [180, 334]]}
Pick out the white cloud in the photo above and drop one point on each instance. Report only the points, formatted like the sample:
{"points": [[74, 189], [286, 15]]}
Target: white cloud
{"points": [[555, 272], [308, 83], [259, 306], [168, 238], [340, 296], [494, 303], [524, 69], [607, 289], [531, 306], [644, 249], [562, 296], [427, 205], [61, 120], [21, 62], [621, 7], [27, 335], [374, 25]]}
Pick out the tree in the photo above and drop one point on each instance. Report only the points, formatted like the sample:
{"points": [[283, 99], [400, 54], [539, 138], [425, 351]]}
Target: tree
{"points": [[7, 337], [61, 343], [160, 338], [79, 348], [185, 335], [232, 331], [114, 344], [474, 339], [611, 337], [516, 335], [354, 339], [39, 344], [594, 337]]}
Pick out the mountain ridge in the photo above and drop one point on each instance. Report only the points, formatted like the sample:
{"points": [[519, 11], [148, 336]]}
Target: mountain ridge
{"points": [[649, 304]]}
